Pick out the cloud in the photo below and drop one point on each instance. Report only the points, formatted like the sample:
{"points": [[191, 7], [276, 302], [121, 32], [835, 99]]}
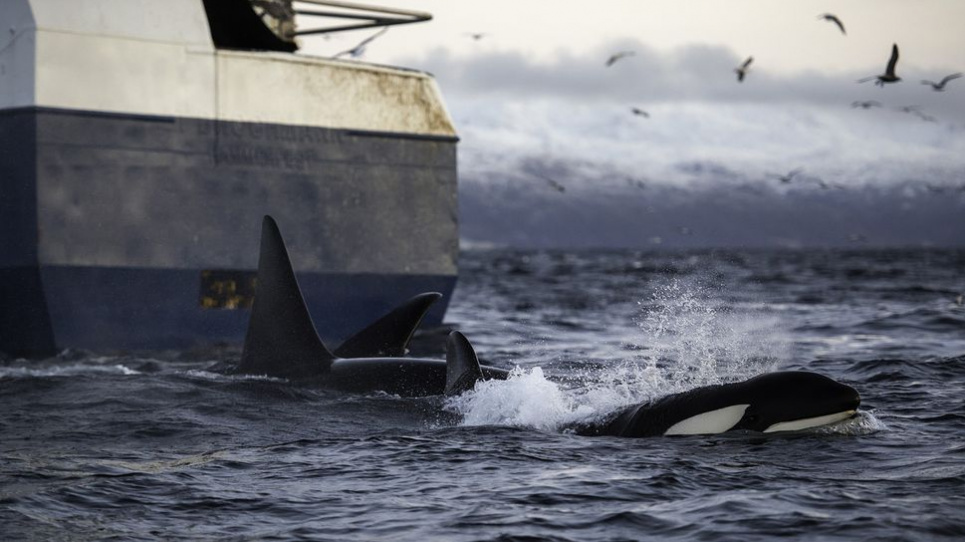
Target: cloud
{"points": [[508, 106], [853, 147], [694, 73], [706, 161]]}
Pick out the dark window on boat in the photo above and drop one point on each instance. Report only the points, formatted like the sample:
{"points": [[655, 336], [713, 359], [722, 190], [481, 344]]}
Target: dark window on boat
{"points": [[226, 289], [235, 24]]}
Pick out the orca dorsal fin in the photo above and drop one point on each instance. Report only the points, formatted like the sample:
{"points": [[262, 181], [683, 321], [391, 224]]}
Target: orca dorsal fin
{"points": [[281, 340], [389, 336], [462, 366]]}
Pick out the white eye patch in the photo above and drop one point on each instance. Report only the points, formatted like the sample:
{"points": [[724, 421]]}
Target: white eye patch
{"points": [[714, 421]]}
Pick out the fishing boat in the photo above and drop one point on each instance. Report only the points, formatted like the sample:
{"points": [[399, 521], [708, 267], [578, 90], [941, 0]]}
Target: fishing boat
{"points": [[142, 142]]}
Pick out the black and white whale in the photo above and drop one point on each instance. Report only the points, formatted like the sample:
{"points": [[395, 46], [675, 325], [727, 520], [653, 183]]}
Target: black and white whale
{"points": [[282, 341], [781, 401]]}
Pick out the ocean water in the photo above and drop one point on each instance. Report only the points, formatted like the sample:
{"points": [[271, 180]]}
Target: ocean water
{"points": [[159, 447]]}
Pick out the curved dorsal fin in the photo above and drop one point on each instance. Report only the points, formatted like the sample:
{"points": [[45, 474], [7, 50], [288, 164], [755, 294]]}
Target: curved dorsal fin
{"points": [[281, 339], [462, 366], [389, 335]]}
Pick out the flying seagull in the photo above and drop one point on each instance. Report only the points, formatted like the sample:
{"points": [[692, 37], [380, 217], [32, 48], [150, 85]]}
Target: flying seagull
{"points": [[552, 182], [640, 112], [824, 184], [889, 75], [476, 36], [787, 177], [637, 183], [866, 104], [834, 19], [617, 56], [742, 70], [916, 111], [940, 86], [359, 49]]}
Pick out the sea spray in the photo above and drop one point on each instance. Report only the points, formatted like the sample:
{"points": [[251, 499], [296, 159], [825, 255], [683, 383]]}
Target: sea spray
{"points": [[689, 340], [527, 398], [863, 423], [696, 340]]}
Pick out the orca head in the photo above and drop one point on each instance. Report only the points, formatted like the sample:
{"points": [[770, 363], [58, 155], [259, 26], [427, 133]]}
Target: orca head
{"points": [[795, 400]]}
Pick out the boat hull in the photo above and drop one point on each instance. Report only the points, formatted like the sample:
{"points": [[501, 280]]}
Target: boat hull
{"points": [[126, 231]]}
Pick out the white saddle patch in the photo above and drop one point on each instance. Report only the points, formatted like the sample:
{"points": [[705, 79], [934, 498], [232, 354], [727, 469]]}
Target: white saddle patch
{"points": [[807, 423], [714, 421]]}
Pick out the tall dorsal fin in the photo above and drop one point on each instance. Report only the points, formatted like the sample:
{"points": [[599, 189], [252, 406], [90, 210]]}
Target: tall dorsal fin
{"points": [[281, 339], [389, 335], [462, 366]]}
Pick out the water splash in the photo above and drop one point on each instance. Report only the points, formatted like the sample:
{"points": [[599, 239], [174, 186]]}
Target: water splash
{"points": [[526, 399], [863, 423], [691, 341]]}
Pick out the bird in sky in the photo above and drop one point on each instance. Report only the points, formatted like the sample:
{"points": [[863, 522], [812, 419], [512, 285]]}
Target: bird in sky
{"points": [[617, 56], [742, 69], [636, 183], [476, 36], [834, 19], [867, 104], [889, 75], [826, 185], [940, 86], [640, 112], [789, 176], [916, 111], [359, 49], [552, 182]]}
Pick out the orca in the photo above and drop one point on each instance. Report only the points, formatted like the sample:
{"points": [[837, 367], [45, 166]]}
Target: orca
{"points": [[282, 342], [768, 403]]}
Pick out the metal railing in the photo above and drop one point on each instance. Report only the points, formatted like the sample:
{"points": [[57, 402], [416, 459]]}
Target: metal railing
{"points": [[374, 16]]}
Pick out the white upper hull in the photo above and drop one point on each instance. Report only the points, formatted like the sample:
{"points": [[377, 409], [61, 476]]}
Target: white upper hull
{"points": [[149, 57]]}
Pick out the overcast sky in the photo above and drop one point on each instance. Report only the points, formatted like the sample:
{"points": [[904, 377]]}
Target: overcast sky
{"points": [[533, 98]]}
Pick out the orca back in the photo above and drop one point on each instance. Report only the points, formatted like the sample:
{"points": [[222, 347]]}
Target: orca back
{"points": [[281, 340], [462, 365], [389, 336]]}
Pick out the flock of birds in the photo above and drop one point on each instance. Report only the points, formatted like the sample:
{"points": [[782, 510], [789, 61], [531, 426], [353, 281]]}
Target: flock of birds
{"points": [[889, 76]]}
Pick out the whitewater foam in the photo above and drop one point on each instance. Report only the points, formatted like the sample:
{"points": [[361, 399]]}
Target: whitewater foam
{"points": [[686, 342], [65, 370]]}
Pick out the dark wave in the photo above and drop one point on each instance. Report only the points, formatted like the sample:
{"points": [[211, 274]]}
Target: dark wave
{"points": [[162, 446]]}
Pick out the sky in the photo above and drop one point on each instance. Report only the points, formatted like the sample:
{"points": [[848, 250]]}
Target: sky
{"points": [[543, 120]]}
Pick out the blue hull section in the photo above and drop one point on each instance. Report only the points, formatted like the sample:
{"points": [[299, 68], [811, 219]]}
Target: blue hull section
{"points": [[134, 309]]}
